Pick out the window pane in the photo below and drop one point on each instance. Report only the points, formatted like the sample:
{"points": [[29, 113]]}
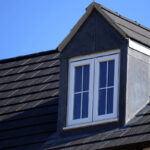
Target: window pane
{"points": [[77, 106], [78, 79], [102, 102], [86, 78], [110, 100], [111, 73], [85, 102], [103, 74]]}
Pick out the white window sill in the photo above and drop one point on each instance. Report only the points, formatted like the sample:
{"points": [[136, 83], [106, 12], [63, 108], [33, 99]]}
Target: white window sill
{"points": [[91, 124]]}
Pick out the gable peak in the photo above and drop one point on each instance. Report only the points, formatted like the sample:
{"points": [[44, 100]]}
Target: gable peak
{"points": [[93, 5]]}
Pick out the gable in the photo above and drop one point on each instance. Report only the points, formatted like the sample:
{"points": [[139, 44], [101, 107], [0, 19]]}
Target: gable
{"points": [[95, 35], [127, 28]]}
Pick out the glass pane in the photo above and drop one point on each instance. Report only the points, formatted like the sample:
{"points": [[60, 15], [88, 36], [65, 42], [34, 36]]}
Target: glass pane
{"points": [[110, 93], [102, 102], [77, 106], [86, 78], [111, 65], [78, 79], [103, 74], [85, 102]]}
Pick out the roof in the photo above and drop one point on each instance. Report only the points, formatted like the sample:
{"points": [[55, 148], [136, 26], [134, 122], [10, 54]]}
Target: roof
{"points": [[137, 131], [127, 28], [28, 100], [28, 109]]}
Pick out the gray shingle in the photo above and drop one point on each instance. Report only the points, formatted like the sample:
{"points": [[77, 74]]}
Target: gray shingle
{"points": [[131, 28], [28, 100], [134, 133]]}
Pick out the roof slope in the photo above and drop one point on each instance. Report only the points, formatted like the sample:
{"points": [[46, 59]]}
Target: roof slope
{"points": [[126, 27], [28, 100], [131, 28], [136, 132]]}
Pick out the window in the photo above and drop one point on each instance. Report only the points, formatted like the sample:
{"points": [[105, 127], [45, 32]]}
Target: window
{"points": [[93, 89]]}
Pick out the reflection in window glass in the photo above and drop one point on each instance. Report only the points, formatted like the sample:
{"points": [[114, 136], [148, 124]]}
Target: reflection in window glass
{"points": [[111, 73], [106, 87], [77, 106], [110, 100], [103, 74], [85, 105], [78, 79], [81, 92], [86, 78], [102, 102]]}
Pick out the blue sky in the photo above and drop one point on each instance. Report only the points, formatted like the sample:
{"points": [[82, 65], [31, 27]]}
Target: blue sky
{"points": [[30, 26]]}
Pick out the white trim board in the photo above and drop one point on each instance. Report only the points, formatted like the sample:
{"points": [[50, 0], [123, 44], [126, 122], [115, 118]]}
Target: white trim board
{"points": [[139, 47], [106, 121], [102, 54]]}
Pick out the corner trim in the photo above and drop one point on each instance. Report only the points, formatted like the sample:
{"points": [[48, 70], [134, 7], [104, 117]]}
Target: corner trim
{"points": [[139, 47]]}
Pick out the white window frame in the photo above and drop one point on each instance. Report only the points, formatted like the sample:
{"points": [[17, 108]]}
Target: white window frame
{"points": [[113, 115], [93, 61], [71, 121]]}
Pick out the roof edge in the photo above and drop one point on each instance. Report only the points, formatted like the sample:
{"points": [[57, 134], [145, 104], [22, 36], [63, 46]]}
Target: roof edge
{"points": [[75, 28], [28, 56], [127, 19]]}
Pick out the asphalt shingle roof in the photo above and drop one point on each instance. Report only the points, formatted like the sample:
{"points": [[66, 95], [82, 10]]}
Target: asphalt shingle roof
{"points": [[131, 28], [136, 131], [28, 100]]}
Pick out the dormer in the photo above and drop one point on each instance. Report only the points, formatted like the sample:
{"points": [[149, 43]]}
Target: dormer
{"points": [[104, 70]]}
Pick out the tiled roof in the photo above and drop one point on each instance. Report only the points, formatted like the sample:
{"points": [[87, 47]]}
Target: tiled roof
{"points": [[136, 132], [28, 100], [131, 28]]}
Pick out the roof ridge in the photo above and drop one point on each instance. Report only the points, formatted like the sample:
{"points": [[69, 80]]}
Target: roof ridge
{"points": [[28, 56], [125, 18]]}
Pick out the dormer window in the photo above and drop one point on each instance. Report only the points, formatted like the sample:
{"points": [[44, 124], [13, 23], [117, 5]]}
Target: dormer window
{"points": [[93, 89]]}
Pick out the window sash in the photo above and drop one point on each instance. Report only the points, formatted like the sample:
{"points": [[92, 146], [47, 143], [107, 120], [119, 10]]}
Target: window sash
{"points": [[71, 92], [114, 115]]}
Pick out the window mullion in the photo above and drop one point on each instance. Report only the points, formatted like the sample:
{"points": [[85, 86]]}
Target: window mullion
{"points": [[94, 81], [82, 92], [106, 87]]}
